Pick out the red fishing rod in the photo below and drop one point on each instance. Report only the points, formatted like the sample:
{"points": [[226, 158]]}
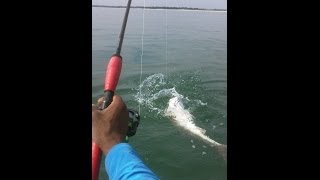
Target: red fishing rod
{"points": [[112, 75]]}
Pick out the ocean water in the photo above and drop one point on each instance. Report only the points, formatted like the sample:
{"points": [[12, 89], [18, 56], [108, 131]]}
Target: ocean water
{"points": [[183, 88]]}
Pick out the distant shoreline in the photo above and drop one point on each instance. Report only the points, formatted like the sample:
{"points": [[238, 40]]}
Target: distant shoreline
{"points": [[159, 7]]}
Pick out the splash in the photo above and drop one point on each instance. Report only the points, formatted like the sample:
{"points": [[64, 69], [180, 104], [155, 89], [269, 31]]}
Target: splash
{"points": [[184, 119], [154, 89]]}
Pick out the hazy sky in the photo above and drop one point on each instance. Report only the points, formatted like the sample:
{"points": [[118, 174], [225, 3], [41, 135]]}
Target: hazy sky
{"points": [[219, 4]]}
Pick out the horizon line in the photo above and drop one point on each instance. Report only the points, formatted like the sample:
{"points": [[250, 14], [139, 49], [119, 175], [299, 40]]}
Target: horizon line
{"points": [[160, 7]]}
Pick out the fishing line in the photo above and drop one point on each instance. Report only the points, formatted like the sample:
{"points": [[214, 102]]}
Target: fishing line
{"points": [[166, 42], [144, 6]]}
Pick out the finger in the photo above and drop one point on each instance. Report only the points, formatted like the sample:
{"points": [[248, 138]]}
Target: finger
{"points": [[100, 101], [118, 102], [117, 99], [94, 107]]}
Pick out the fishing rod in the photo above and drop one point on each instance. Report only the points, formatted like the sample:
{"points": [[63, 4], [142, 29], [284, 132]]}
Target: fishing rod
{"points": [[112, 75]]}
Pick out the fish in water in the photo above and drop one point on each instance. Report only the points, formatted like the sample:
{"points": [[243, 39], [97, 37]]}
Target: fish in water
{"points": [[184, 119]]}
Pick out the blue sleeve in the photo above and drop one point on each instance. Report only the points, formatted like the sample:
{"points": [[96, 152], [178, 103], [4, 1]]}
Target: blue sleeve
{"points": [[122, 162]]}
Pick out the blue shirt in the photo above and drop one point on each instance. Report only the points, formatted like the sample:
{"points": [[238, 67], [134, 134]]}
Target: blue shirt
{"points": [[122, 162]]}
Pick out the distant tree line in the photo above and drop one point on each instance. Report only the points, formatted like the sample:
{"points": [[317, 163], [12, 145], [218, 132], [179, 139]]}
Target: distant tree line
{"points": [[160, 7]]}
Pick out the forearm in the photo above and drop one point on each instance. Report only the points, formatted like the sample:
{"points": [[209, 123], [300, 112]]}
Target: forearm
{"points": [[123, 162]]}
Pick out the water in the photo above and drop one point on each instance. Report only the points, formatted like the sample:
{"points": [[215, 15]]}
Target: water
{"points": [[183, 98]]}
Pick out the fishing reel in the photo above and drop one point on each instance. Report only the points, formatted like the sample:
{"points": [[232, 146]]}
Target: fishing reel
{"points": [[134, 120]]}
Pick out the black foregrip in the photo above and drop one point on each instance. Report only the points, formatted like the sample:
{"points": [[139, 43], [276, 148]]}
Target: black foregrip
{"points": [[108, 96]]}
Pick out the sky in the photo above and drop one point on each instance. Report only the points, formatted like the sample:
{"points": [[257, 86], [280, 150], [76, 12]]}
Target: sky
{"points": [[210, 4]]}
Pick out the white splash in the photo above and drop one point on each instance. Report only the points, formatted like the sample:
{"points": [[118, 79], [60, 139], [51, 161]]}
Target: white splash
{"points": [[155, 88], [184, 119]]}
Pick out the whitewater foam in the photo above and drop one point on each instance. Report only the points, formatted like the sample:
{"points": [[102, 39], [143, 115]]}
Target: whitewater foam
{"points": [[154, 87]]}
